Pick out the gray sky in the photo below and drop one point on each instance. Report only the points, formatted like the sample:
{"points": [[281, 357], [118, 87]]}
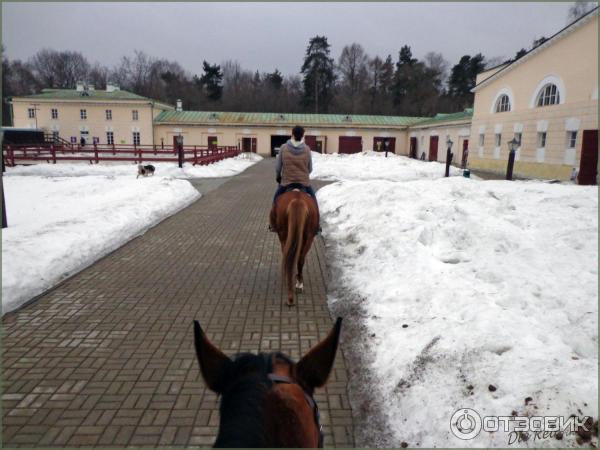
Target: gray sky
{"points": [[266, 36]]}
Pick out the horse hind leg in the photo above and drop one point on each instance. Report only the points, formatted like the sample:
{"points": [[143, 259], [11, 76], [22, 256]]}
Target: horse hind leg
{"points": [[299, 277]]}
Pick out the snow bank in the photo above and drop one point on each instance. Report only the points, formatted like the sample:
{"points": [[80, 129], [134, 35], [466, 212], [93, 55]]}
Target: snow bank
{"points": [[58, 226], [224, 168], [468, 284], [375, 166]]}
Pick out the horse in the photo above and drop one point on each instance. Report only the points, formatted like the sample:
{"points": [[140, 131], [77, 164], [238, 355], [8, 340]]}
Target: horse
{"points": [[267, 399], [296, 220]]}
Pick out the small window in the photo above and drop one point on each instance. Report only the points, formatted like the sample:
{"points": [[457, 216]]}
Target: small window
{"points": [[498, 139], [136, 138], [571, 139], [55, 137], [54, 113], [518, 137], [110, 137], [31, 113], [503, 104], [109, 114], [83, 114], [481, 139], [134, 114], [541, 140], [548, 95]]}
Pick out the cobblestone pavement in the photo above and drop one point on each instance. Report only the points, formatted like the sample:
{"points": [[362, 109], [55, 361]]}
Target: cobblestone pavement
{"points": [[106, 358]]}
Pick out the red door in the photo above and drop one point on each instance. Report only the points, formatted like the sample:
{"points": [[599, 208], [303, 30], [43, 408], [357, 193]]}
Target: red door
{"points": [[311, 141], [379, 144], [350, 144], [433, 148], [588, 165], [213, 142], [413, 147], [249, 145], [465, 153]]}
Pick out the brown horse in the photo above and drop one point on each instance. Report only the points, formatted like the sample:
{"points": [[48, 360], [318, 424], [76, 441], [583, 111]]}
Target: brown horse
{"points": [[297, 220], [267, 399]]}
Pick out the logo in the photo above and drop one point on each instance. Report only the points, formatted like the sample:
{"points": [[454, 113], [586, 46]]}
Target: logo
{"points": [[465, 424]]}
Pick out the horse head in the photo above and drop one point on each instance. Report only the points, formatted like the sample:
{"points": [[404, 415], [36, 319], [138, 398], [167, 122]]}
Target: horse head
{"points": [[267, 399]]}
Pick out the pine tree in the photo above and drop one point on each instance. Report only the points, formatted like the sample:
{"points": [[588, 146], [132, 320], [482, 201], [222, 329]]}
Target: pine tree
{"points": [[212, 81], [318, 76]]}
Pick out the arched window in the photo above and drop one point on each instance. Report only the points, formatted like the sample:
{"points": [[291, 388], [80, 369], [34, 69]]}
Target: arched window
{"points": [[548, 95], [503, 103]]}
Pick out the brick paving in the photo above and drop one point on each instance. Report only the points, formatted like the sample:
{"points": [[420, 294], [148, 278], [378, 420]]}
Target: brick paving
{"points": [[106, 358]]}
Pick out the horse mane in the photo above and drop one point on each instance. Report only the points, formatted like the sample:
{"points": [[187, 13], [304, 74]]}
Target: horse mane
{"points": [[242, 406]]}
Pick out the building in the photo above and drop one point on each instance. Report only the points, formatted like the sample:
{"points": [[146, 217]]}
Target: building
{"points": [[263, 132], [110, 116], [547, 101]]}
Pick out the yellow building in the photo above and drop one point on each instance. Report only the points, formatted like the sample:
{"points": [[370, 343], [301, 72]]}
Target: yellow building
{"points": [[105, 116], [547, 101]]}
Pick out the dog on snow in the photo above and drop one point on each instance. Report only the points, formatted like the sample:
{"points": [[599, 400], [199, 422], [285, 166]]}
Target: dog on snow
{"points": [[145, 170]]}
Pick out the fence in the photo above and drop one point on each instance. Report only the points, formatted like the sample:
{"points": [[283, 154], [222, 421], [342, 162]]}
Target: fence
{"points": [[195, 154]]}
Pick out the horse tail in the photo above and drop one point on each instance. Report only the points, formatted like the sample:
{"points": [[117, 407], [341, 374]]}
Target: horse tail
{"points": [[297, 216]]}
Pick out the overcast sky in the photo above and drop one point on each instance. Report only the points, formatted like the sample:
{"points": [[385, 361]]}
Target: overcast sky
{"points": [[265, 36]]}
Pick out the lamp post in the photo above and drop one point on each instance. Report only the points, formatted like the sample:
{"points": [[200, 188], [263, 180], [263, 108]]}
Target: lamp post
{"points": [[449, 155], [512, 147], [179, 145]]}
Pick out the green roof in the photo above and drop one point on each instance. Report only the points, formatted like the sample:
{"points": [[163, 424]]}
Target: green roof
{"points": [[465, 115], [73, 94], [210, 117]]}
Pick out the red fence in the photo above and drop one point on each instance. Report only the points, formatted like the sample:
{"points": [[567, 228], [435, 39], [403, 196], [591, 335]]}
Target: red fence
{"points": [[195, 154]]}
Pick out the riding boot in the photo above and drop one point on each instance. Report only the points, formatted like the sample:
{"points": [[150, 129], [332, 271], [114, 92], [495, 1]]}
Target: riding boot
{"points": [[273, 219]]}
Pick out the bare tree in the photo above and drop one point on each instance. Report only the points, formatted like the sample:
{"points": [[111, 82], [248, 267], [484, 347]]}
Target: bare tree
{"points": [[352, 66], [59, 69], [579, 8], [438, 66]]}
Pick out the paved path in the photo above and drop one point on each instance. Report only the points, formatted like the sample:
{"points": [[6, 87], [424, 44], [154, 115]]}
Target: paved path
{"points": [[106, 358]]}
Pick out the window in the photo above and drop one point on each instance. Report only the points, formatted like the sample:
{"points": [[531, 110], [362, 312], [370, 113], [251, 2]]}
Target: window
{"points": [[55, 137], [134, 114], [481, 139], [518, 138], [548, 95], [503, 104], [571, 139], [54, 113], [83, 114], [109, 114], [31, 113], [541, 139], [136, 138], [498, 139], [110, 138]]}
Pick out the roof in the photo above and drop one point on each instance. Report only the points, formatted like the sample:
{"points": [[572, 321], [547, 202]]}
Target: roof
{"points": [[548, 42], [464, 116], [73, 94], [228, 118]]}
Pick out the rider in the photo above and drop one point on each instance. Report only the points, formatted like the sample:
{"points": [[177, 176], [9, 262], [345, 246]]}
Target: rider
{"points": [[293, 166]]}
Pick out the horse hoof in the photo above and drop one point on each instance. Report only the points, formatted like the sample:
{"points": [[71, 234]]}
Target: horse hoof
{"points": [[299, 286], [290, 303]]}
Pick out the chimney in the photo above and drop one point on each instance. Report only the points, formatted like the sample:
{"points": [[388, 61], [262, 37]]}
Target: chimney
{"points": [[80, 86], [111, 87], [179, 106]]}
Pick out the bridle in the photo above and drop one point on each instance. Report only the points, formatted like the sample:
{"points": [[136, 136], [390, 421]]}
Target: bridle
{"points": [[311, 401]]}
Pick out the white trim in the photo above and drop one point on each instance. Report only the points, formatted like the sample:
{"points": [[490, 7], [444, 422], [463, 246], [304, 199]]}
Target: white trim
{"points": [[570, 156], [542, 126], [246, 131], [212, 130], [177, 130], [350, 133], [496, 152], [572, 124], [84, 128], [55, 127], [481, 129], [108, 128], [511, 98], [433, 133], [540, 154], [518, 128], [464, 132], [385, 134], [135, 129], [518, 154], [313, 132], [413, 134], [498, 128], [554, 79]]}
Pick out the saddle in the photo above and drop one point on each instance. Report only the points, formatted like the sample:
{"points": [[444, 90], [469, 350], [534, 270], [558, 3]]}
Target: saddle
{"points": [[295, 186]]}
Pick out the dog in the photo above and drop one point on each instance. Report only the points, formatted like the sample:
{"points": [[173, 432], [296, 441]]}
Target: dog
{"points": [[145, 170]]}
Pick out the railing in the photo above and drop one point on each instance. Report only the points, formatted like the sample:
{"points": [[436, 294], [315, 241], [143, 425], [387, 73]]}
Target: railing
{"points": [[195, 154]]}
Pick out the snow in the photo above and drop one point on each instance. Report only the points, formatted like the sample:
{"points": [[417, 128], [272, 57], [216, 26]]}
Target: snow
{"points": [[224, 168], [496, 281], [63, 217], [375, 166]]}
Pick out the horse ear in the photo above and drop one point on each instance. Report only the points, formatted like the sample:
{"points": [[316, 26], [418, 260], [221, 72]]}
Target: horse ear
{"points": [[212, 360], [314, 367]]}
